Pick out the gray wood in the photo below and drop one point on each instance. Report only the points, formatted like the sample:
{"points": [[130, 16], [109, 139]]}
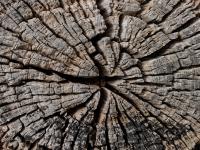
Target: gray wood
{"points": [[99, 75]]}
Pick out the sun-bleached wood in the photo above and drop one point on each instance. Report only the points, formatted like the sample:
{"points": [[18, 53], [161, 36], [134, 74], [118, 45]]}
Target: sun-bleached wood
{"points": [[99, 74]]}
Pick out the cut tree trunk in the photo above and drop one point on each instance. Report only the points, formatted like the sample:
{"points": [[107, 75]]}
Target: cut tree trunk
{"points": [[99, 74]]}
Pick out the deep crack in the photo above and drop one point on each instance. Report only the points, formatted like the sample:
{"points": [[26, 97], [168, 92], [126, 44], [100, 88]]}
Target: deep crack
{"points": [[107, 74]]}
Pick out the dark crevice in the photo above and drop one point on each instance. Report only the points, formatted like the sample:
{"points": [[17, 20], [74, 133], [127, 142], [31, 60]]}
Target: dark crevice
{"points": [[127, 98], [89, 146], [172, 42], [73, 110], [63, 133], [140, 125], [159, 52], [75, 136], [45, 71], [61, 4], [151, 104], [51, 30], [102, 12], [121, 18], [197, 146], [94, 41], [178, 130], [103, 82], [100, 80], [45, 8], [187, 24], [97, 112], [11, 120], [27, 114], [45, 24], [96, 38], [32, 145], [5, 103], [121, 123], [4, 8], [124, 96], [75, 18], [106, 131], [42, 148], [170, 12]]}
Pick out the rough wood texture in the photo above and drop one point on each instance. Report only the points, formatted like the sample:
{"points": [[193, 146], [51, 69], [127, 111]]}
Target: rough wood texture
{"points": [[99, 75]]}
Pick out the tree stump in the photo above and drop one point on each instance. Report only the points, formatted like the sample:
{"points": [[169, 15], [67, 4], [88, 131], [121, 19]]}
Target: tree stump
{"points": [[99, 74]]}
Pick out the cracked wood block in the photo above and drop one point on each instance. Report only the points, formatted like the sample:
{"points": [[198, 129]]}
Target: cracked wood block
{"points": [[100, 75]]}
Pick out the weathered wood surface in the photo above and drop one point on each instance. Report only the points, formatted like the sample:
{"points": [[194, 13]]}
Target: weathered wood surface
{"points": [[99, 74]]}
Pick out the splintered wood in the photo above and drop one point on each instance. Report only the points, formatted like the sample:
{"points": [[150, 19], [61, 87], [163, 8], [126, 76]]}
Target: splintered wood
{"points": [[99, 74]]}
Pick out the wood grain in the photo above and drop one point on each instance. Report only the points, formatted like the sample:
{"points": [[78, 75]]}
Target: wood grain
{"points": [[99, 74]]}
